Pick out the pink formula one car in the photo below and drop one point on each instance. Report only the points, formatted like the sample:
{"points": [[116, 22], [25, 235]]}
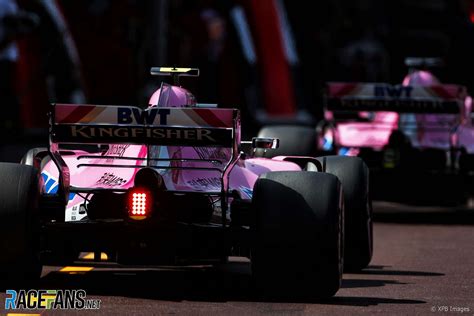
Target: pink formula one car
{"points": [[420, 130], [171, 184]]}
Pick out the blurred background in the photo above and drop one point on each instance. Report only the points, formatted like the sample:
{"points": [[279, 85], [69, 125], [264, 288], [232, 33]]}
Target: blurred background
{"points": [[270, 58]]}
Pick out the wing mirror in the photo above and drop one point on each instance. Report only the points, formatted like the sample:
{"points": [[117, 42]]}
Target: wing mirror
{"points": [[265, 143]]}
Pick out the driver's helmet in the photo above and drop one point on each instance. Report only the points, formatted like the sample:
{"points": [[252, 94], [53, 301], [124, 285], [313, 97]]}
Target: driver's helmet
{"points": [[420, 78], [172, 96]]}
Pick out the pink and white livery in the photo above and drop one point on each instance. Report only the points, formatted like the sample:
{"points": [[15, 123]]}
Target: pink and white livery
{"points": [[419, 130], [171, 184], [366, 114]]}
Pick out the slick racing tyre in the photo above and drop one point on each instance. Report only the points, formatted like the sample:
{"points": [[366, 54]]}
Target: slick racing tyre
{"points": [[19, 225], [29, 157], [294, 140], [297, 249], [354, 176]]}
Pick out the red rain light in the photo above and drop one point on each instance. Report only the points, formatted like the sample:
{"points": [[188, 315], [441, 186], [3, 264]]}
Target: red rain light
{"points": [[139, 203]]}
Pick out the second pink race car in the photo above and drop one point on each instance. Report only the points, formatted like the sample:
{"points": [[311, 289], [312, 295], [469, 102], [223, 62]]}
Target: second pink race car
{"points": [[417, 138]]}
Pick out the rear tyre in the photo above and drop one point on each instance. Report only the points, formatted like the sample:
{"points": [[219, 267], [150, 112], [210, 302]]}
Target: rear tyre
{"points": [[354, 176], [32, 154], [19, 224], [297, 249]]}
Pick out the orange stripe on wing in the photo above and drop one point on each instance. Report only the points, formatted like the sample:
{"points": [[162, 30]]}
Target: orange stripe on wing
{"points": [[213, 120], [89, 117], [77, 114], [338, 90], [210, 118], [195, 117]]}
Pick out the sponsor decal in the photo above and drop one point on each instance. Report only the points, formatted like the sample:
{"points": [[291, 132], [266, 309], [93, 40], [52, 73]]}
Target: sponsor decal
{"points": [[50, 299], [116, 150], [397, 105], [51, 184], [247, 191], [392, 91], [76, 212], [142, 134], [213, 153], [206, 183], [131, 115], [110, 179]]}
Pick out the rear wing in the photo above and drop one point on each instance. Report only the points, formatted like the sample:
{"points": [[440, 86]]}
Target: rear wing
{"points": [[101, 124], [446, 98]]}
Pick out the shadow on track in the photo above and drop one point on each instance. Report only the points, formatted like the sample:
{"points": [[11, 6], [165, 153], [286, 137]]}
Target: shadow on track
{"points": [[195, 284], [408, 214], [357, 283], [190, 284], [369, 301], [380, 270], [436, 218]]}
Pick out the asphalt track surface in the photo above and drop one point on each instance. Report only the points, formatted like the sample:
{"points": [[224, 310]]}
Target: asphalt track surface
{"points": [[423, 264]]}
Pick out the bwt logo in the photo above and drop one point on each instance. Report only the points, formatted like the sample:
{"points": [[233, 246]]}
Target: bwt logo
{"points": [[49, 299], [392, 91], [131, 115]]}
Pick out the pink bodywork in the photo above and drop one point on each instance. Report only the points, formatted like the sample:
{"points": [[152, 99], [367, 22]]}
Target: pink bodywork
{"points": [[373, 134], [172, 96], [241, 178], [417, 127]]}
